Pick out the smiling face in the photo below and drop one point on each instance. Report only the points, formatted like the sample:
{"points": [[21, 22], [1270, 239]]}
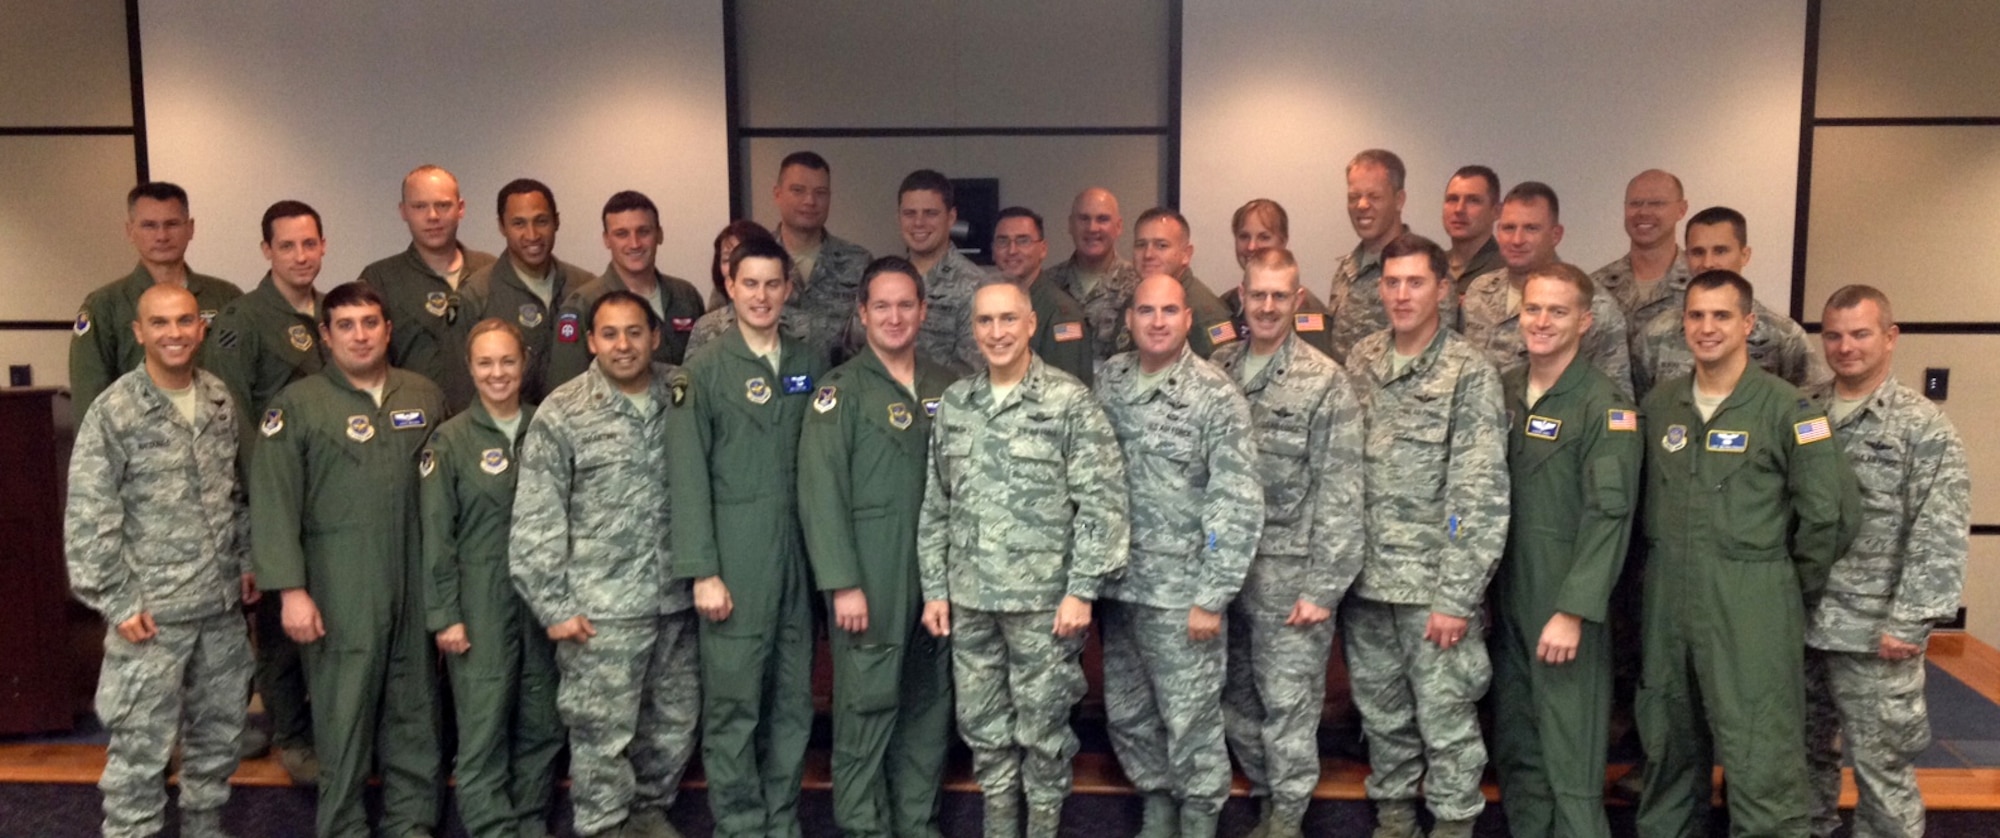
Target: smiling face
{"points": [[529, 224], [159, 230], [1002, 321], [496, 360], [1653, 206], [893, 313], [1159, 320], [925, 222], [1161, 246], [1554, 317], [295, 251], [623, 340], [1095, 224], [1715, 324], [1270, 302], [1411, 291], [170, 328], [1253, 236], [758, 290], [1528, 234], [1018, 248], [431, 208], [357, 336], [633, 237]]}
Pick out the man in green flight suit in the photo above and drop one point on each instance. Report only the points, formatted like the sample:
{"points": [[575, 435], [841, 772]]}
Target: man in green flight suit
{"points": [[525, 285], [261, 343], [1748, 503], [1062, 330], [632, 234], [861, 484], [420, 285], [334, 531], [103, 348], [1163, 245], [732, 465], [1574, 453]]}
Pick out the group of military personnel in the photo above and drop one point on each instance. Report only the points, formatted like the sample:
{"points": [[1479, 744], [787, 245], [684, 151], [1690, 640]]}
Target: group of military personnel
{"points": [[613, 511]]}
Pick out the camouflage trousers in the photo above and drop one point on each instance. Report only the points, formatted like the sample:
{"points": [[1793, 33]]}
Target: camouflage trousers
{"points": [[198, 669], [1163, 704], [1016, 683], [509, 733], [1419, 705], [1275, 687], [631, 698], [1875, 708]]}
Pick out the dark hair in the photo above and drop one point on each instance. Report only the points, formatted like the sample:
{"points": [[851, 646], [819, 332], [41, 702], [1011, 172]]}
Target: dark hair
{"points": [[1724, 215], [1411, 244], [1168, 213], [1483, 173], [1535, 190], [346, 294], [625, 201], [1387, 160], [523, 186], [1020, 212], [890, 265], [742, 230], [158, 190], [930, 180], [291, 209], [622, 296], [808, 159], [1711, 280], [1272, 213], [765, 248]]}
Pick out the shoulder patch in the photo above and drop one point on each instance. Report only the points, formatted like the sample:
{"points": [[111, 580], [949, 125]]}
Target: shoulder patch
{"points": [[1621, 420], [1309, 322], [1222, 332], [1812, 430], [300, 336], [568, 326], [82, 323], [826, 399], [274, 421], [427, 463], [225, 338], [677, 390], [1066, 332]]}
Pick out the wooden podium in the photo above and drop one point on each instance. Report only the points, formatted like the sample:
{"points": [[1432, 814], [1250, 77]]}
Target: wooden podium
{"points": [[48, 647]]}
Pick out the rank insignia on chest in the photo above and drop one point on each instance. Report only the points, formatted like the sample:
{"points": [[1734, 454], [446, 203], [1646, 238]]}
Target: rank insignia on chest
{"points": [[1222, 332], [82, 323], [826, 399], [567, 327], [1542, 427], [493, 461], [402, 419], [1812, 430], [930, 407], [1066, 332], [531, 315], [274, 421], [796, 384], [1676, 438], [427, 462], [300, 336], [683, 324], [900, 416], [360, 429], [1310, 322], [1621, 420], [756, 390], [436, 302], [1732, 442]]}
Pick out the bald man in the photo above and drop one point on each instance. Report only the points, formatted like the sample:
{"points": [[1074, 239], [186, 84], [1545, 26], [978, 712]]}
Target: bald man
{"points": [[1094, 273], [419, 286]]}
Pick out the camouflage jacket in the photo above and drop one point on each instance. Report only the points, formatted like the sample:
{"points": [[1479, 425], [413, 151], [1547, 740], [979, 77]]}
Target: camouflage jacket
{"points": [[1197, 505], [1777, 343], [1356, 301], [1906, 567], [680, 303], [1105, 305], [1308, 428], [1435, 459], [157, 520], [591, 519], [1641, 300], [946, 338], [825, 302], [1025, 502], [1490, 318]]}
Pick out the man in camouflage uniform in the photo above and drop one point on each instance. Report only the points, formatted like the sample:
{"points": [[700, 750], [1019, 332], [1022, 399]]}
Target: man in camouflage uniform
{"points": [[420, 286], [1197, 513], [1471, 204], [1023, 522], [1489, 316], [1436, 473], [1375, 207], [632, 234], [102, 349], [157, 539], [926, 210], [335, 533], [1574, 454], [1308, 435], [1865, 637], [1094, 274], [861, 485], [589, 554], [261, 343], [1748, 502], [1163, 245], [525, 285], [1062, 331], [1652, 275], [1717, 240]]}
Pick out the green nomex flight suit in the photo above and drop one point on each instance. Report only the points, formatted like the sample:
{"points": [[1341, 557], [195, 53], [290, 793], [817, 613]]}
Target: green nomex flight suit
{"points": [[156, 523], [102, 347], [1778, 344], [733, 466], [503, 688], [1062, 332], [336, 513], [1197, 514], [1310, 323], [1103, 300], [590, 534], [259, 345], [1213, 324], [1744, 514], [1575, 456], [1308, 426], [861, 486], [1489, 316], [678, 306], [1904, 573], [428, 328], [498, 291], [1025, 504]]}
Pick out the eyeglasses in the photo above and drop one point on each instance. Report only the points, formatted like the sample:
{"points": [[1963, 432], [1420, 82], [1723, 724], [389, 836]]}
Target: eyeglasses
{"points": [[1015, 243]]}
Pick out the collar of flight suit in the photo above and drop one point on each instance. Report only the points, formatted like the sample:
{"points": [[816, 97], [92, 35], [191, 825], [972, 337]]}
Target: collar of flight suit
{"points": [[503, 271], [1684, 396], [416, 259], [267, 295], [483, 418]]}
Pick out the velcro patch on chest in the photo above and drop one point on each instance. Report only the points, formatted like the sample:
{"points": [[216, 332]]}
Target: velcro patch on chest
{"points": [[1729, 442], [796, 384], [402, 419], [1543, 427]]}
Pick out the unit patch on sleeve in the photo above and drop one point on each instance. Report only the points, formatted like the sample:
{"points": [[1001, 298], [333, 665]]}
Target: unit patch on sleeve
{"points": [[274, 421], [826, 399], [1310, 322], [568, 326], [427, 462], [1066, 332]]}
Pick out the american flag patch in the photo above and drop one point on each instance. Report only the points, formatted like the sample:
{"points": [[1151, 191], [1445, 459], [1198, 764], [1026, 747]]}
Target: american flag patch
{"points": [[1312, 322], [1812, 430], [1621, 420], [1222, 332], [1066, 332]]}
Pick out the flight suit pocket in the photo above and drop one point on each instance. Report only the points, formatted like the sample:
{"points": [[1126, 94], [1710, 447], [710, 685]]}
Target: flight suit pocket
{"points": [[869, 682], [1610, 487]]}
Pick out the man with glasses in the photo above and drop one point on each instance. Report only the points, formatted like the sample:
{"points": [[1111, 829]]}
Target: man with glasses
{"points": [[1062, 333]]}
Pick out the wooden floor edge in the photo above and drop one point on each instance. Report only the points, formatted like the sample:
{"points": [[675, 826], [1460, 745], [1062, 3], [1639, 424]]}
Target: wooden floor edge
{"points": [[1972, 662]]}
